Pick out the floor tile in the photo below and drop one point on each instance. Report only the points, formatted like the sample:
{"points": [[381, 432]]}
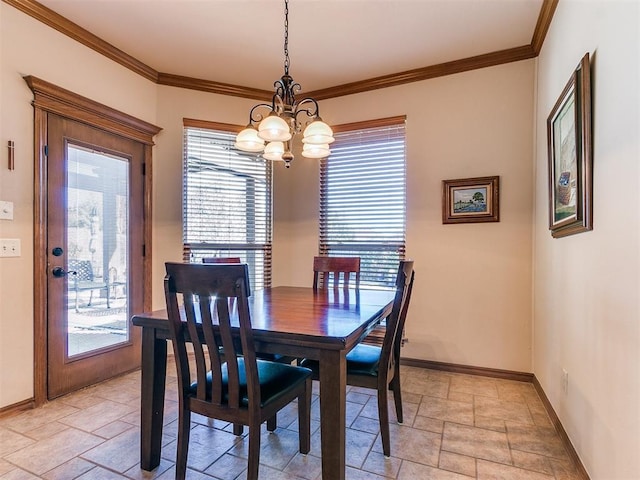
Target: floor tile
{"points": [[446, 410], [96, 416], [47, 454], [12, 441], [476, 442], [454, 462], [540, 440], [497, 471], [414, 471], [457, 427], [412, 444], [72, 469], [119, 453]]}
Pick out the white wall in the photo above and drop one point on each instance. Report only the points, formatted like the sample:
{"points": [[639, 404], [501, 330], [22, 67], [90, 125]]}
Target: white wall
{"points": [[587, 287], [472, 297], [28, 47]]}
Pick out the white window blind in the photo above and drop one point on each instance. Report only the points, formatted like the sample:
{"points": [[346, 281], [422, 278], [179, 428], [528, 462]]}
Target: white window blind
{"points": [[226, 202], [363, 200]]}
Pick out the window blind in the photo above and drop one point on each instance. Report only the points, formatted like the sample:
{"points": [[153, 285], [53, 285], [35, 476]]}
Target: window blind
{"points": [[226, 202], [363, 200]]}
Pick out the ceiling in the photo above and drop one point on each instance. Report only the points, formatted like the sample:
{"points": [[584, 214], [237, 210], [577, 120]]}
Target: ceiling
{"points": [[331, 42]]}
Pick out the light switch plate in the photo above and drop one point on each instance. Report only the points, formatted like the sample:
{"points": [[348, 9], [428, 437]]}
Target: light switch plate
{"points": [[6, 210], [9, 247]]}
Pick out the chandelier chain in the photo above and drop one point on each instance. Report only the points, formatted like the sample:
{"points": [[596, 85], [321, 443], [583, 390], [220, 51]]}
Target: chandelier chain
{"points": [[286, 37]]}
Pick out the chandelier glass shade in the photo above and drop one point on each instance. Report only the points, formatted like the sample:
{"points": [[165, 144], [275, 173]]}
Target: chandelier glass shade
{"points": [[272, 127]]}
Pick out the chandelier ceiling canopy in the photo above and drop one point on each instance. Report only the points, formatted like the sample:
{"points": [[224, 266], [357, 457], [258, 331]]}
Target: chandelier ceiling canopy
{"points": [[272, 127]]}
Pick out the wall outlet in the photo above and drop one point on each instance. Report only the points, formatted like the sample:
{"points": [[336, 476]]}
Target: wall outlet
{"points": [[565, 381], [9, 247], [6, 210]]}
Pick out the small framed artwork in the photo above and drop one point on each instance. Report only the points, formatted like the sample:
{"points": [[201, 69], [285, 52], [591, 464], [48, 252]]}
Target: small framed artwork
{"points": [[471, 200], [570, 156]]}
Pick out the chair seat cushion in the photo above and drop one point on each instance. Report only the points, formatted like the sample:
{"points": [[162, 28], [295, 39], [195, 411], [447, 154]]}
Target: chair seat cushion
{"points": [[362, 360], [276, 380]]}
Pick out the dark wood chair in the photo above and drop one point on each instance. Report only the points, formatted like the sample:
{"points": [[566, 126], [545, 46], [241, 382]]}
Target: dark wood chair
{"points": [[236, 388], [221, 260], [329, 270], [375, 367]]}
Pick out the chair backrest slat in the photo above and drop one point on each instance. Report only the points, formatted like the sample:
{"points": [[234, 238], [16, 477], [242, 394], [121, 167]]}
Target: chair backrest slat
{"points": [[395, 321], [328, 271], [215, 299]]}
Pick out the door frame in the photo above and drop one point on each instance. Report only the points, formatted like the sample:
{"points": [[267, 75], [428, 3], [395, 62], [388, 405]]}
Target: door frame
{"points": [[49, 98]]}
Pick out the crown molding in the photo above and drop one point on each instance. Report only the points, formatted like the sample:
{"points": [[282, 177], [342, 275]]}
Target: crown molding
{"points": [[213, 87], [449, 68], [542, 26], [65, 26]]}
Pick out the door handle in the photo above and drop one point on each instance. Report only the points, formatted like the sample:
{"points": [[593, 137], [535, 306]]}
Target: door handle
{"points": [[59, 272]]}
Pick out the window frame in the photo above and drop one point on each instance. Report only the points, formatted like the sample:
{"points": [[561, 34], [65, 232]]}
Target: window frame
{"points": [[193, 251], [325, 246]]}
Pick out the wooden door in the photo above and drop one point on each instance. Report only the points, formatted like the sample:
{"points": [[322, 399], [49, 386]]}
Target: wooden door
{"points": [[95, 256]]}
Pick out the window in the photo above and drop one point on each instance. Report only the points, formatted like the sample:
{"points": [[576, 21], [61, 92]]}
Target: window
{"points": [[363, 200], [226, 200]]}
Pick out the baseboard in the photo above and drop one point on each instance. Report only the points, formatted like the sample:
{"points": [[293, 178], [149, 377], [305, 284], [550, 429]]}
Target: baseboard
{"points": [[582, 472], [469, 370], [508, 375], [17, 407]]}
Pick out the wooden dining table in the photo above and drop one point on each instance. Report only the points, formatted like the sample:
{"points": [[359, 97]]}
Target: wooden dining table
{"points": [[302, 322]]}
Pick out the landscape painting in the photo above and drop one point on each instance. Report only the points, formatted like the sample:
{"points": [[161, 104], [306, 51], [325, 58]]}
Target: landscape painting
{"points": [[470, 200]]}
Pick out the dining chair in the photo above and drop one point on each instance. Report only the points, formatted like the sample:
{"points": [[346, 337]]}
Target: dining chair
{"points": [[329, 270], [221, 260], [274, 357], [236, 388], [376, 367]]}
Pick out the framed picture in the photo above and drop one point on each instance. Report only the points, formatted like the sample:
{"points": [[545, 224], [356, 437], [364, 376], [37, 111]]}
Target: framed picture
{"points": [[570, 156], [471, 200]]}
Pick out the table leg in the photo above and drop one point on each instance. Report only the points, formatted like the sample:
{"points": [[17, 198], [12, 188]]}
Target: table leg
{"points": [[154, 371], [333, 381]]}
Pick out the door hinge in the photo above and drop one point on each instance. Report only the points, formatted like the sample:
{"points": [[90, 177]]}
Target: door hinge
{"points": [[144, 250], [144, 169], [46, 150]]}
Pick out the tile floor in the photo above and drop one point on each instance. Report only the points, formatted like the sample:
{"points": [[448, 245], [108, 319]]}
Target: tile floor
{"points": [[456, 427]]}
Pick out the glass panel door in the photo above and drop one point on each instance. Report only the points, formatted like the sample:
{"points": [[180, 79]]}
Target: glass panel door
{"points": [[97, 250]]}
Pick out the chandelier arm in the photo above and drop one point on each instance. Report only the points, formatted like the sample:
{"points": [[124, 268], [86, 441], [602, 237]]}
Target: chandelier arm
{"points": [[312, 111], [256, 117]]}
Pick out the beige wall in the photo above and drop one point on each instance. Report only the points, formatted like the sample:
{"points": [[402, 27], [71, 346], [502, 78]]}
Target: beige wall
{"points": [[30, 48], [587, 287], [472, 296]]}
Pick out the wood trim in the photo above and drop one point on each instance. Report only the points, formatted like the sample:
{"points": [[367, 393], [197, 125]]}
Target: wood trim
{"points": [[469, 370], [17, 408], [147, 264], [472, 63], [210, 86], [60, 23], [582, 472], [52, 98], [40, 262], [543, 24], [76, 32], [225, 127], [379, 122]]}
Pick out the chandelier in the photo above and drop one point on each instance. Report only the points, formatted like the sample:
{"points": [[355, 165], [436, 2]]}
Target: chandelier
{"points": [[272, 127]]}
